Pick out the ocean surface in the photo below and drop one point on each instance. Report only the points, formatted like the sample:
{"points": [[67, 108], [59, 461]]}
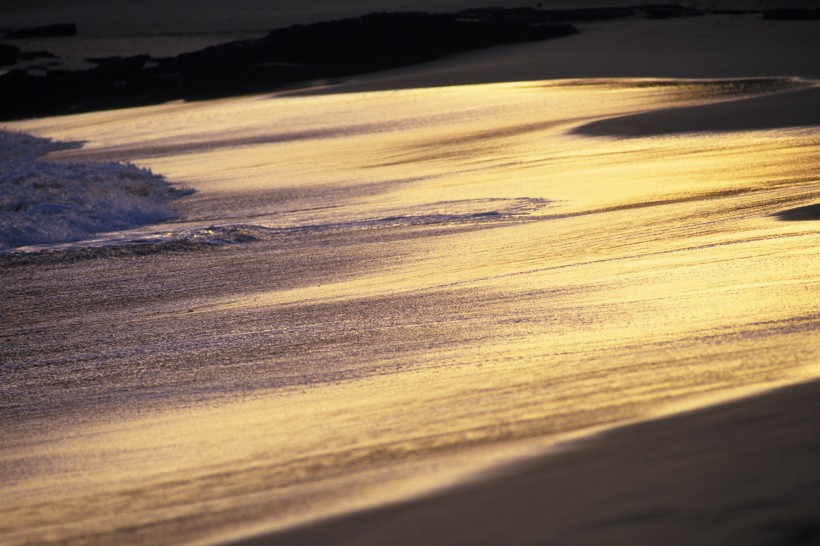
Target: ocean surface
{"points": [[131, 18], [227, 317]]}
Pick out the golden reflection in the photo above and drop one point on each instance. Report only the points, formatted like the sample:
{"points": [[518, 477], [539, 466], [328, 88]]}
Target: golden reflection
{"points": [[607, 280]]}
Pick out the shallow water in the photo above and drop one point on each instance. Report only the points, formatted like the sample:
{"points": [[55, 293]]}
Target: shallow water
{"points": [[376, 293]]}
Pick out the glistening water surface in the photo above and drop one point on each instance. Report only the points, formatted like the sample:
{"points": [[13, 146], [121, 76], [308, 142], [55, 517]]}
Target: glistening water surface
{"points": [[373, 294]]}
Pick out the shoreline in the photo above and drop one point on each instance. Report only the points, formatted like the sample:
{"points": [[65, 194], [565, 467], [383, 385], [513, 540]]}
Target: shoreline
{"points": [[736, 471]]}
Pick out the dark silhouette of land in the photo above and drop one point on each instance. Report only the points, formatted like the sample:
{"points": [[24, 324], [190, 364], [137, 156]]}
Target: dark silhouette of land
{"points": [[295, 54], [47, 31], [795, 14], [286, 57]]}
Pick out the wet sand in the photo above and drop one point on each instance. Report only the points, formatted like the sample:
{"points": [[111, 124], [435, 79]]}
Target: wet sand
{"points": [[744, 472], [739, 473], [695, 309]]}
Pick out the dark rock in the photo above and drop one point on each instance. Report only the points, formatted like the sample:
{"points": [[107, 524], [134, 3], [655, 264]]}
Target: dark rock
{"points": [[119, 67], [285, 56], [47, 31], [31, 55], [801, 14], [9, 54]]}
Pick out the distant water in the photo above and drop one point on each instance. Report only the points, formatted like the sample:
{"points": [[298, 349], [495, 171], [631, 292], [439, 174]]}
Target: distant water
{"points": [[128, 17], [52, 202]]}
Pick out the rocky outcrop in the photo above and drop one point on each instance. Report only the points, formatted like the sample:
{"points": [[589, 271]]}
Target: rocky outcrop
{"points": [[285, 57], [47, 31], [9, 54], [282, 58], [798, 14]]}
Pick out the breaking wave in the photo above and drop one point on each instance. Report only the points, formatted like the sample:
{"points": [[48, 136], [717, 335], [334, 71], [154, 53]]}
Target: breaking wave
{"points": [[44, 202], [181, 241], [468, 212]]}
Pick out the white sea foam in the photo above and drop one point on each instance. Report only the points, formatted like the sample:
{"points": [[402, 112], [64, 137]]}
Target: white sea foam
{"points": [[49, 202]]}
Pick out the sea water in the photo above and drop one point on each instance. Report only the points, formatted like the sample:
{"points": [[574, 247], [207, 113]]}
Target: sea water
{"points": [[369, 295], [48, 202]]}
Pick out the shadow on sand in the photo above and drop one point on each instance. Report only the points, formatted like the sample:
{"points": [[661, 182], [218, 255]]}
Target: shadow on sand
{"points": [[776, 111], [808, 212], [739, 473]]}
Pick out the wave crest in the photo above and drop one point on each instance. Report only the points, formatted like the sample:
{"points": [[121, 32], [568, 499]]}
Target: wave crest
{"points": [[45, 202]]}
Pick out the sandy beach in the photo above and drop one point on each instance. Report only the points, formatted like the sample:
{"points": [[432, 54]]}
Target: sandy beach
{"points": [[739, 473], [535, 294]]}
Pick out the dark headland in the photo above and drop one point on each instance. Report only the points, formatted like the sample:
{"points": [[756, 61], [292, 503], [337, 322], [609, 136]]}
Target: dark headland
{"points": [[289, 56], [296, 56]]}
